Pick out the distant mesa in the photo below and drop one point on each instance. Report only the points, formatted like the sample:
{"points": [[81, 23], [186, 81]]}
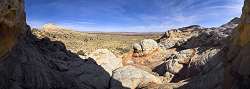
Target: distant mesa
{"points": [[51, 27]]}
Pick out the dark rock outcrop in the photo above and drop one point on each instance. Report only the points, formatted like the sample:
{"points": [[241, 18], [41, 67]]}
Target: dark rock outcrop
{"points": [[237, 70], [12, 24]]}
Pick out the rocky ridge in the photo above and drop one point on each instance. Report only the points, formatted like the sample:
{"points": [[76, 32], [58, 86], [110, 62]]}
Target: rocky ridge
{"points": [[192, 57]]}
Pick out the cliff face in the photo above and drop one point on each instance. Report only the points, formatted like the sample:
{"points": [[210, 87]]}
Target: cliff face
{"points": [[242, 35], [237, 68], [12, 23]]}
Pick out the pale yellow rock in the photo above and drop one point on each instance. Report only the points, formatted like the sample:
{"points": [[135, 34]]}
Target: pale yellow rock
{"points": [[243, 36], [106, 59], [12, 24], [132, 77]]}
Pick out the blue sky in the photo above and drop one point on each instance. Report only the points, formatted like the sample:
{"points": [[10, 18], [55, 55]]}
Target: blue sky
{"points": [[131, 15]]}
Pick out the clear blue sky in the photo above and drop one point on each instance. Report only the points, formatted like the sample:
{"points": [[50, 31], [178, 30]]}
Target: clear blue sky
{"points": [[131, 15]]}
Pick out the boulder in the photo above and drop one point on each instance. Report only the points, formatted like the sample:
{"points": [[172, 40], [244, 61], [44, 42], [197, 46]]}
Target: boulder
{"points": [[173, 66], [137, 48], [106, 59], [185, 56], [131, 77], [175, 62], [177, 37], [145, 47], [148, 45]]}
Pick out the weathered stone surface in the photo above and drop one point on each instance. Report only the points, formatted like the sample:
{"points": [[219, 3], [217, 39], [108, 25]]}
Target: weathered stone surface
{"points": [[146, 53], [148, 45], [149, 60], [173, 66], [200, 54], [237, 63], [137, 47], [131, 77], [229, 27], [233, 23], [106, 59], [145, 47], [175, 62], [177, 37], [208, 38], [185, 36], [12, 24], [156, 86]]}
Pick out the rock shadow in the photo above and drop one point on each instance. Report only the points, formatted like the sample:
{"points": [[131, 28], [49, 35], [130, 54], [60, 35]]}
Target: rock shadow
{"points": [[206, 73], [44, 64]]}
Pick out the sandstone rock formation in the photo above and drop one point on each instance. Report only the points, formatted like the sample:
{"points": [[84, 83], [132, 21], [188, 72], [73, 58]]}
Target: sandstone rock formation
{"points": [[145, 47], [229, 27], [12, 24], [197, 60], [173, 66], [132, 77], [148, 45], [233, 23], [237, 63], [177, 37], [145, 53], [106, 59]]}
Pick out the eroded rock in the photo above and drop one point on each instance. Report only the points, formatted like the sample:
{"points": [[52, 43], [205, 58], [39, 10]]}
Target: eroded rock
{"points": [[106, 59], [131, 77], [148, 45], [12, 24], [145, 47], [237, 63]]}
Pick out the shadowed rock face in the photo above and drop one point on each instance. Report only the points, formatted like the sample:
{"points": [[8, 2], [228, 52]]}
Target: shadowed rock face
{"points": [[12, 23], [242, 35], [237, 69]]}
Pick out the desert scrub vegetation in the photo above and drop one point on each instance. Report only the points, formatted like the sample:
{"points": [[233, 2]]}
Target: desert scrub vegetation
{"points": [[116, 42]]}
